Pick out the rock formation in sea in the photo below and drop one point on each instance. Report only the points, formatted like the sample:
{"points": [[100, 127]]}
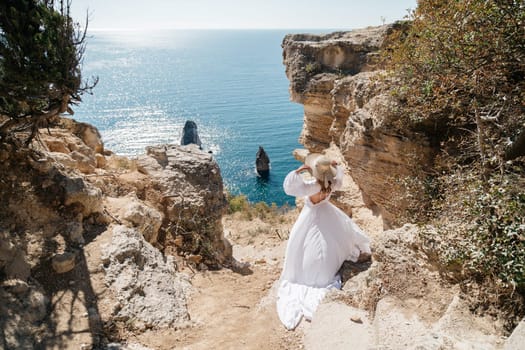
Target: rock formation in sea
{"points": [[262, 162], [190, 134]]}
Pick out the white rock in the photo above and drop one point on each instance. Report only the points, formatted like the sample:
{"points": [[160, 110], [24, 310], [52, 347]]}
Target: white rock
{"points": [[516, 341], [149, 291], [332, 328], [146, 218]]}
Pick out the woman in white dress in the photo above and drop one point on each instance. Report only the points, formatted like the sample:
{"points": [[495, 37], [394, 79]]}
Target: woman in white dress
{"points": [[322, 238]]}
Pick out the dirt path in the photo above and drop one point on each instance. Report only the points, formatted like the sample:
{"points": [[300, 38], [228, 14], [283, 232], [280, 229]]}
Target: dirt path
{"points": [[236, 310]]}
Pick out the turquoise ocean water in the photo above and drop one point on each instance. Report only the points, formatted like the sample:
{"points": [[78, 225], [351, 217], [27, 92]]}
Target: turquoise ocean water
{"points": [[231, 83]]}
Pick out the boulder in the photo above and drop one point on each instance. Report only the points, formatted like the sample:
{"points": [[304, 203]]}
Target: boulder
{"points": [[80, 193], [149, 291], [89, 134], [516, 341], [185, 184], [135, 213]]}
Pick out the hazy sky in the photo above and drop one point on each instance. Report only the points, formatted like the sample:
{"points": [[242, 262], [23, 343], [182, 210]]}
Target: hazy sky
{"points": [[308, 14]]}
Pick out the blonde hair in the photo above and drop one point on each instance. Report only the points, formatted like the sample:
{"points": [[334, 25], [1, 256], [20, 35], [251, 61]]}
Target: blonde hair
{"points": [[324, 189]]}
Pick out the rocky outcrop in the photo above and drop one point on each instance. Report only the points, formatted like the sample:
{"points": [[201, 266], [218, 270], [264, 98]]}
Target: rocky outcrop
{"points": [[399, 301], [340, 53], [185, 184], [135, 213], [149, 292], [338, 79], [66, 192], [47, 206], [43, 200], [74, 145], [405, 298]]}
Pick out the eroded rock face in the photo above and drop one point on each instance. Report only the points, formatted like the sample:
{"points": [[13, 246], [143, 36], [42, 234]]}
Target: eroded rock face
{"points": [[66, 192], [138, 214], [186, 185], [400, 301], [74, 145], [42, 214], [347, 105], [149, 292], [306, 55]]}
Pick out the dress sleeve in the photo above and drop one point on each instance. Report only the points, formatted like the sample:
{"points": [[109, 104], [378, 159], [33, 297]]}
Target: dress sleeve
{"points": [[338, 181], [294, 185]]}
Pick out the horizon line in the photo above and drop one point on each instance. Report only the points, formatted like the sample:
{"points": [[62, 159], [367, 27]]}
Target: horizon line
{"points": [[130, 29]]}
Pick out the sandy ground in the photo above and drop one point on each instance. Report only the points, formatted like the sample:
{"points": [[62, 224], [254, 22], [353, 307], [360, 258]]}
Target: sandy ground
{"points": [[235, 308], [229, 309]]}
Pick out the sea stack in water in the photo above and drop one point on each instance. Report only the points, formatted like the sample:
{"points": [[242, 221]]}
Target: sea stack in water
{"points": [[262, 163], [190, 134]]}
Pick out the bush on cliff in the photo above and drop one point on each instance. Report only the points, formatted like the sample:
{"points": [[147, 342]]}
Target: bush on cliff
{"points": [[249, 211], [41, 49], [462, 70], [461, 80]]}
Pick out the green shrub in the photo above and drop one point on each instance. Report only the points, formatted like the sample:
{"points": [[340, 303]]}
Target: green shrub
{"points": [[262, 210], [312, 68], [238, 203], [498, 232], [477, 236], [460, 73], [457, 69], [249, 211]]}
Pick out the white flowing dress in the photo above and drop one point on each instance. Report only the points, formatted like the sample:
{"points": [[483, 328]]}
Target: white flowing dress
{"points": [[322, 238]]}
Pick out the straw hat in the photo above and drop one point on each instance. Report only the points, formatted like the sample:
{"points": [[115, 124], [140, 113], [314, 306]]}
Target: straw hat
{"points": [[321, 167]]}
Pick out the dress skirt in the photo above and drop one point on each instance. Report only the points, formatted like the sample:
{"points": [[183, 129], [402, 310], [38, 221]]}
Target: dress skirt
{"points": [[322, 238]]}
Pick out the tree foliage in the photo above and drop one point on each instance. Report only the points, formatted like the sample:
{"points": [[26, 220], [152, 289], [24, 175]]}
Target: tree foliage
{"points": [[462, 67], [460, 78], [41, 51]]}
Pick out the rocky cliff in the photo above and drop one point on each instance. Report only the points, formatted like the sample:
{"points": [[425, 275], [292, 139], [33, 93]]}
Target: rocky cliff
{"points": [[405, 298], [83, 232], [338, 79], [97, 247]]}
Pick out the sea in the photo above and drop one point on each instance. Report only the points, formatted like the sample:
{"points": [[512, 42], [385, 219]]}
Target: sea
{"points": [[231, 83]]}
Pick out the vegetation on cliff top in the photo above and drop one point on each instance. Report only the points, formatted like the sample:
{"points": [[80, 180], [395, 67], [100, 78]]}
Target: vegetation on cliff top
{"points": [[41, 50], [461, 80]]}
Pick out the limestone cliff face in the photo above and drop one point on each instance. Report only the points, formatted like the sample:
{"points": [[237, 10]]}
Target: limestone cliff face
{"points": [[185, 184], [347, 106]]}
